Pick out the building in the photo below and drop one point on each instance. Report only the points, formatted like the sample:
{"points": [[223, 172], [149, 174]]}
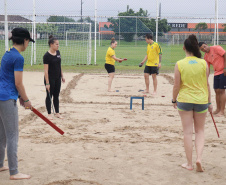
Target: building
{"points": [[14, 18], [189, 28]]}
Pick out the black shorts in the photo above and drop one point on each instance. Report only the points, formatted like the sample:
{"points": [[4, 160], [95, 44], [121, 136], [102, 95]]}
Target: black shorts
{"points": [[219, 82], [110, 68], [151, 70]]}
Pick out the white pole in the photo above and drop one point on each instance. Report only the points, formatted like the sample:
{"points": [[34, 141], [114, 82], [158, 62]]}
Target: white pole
{"points": [[217, 22], [95, 37], [6, 28], [32, 44], [34, 31], [119, 31], [90, 43], [33, 35], [157, 19]]}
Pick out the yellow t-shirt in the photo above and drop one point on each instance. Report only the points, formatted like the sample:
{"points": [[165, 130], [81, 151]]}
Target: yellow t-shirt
{"points": [[153, 52], [193, 87], [109, 54]]}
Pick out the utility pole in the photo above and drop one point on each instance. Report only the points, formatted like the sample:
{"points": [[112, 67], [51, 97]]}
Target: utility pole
{"points": [[160, 9], [81, 11], [157, 19]]}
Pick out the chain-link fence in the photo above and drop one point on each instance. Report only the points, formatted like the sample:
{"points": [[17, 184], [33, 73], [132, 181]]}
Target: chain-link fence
{"points": [[73, 23]]}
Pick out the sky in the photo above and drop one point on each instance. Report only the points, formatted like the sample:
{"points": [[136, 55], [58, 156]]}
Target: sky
{"points": [[169, 8]]}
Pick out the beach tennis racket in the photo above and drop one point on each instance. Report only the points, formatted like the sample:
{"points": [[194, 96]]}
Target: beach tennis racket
{"points": [[214, 124], [51, 101], [47, 120]]}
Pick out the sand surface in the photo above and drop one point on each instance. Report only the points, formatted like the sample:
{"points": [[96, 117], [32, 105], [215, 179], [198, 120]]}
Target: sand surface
{"points": [[106, 143]]}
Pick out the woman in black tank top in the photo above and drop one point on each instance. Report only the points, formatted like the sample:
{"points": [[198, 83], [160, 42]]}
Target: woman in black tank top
{"points": [[53, 76]]}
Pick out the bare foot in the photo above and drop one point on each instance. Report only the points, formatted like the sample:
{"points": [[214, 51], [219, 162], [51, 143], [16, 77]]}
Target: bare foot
{"points": [[216, 111], [59, 116], [220, 114], [186, 166], [145, 91], [199, 167], [50, 117], [4, 168], [154, 93], [19, 176]]}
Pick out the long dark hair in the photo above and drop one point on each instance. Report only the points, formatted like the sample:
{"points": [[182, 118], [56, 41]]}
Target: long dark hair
{"points": [[51, 40], [191, 45]]}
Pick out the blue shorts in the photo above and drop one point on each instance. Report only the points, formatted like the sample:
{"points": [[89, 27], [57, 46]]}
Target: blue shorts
{"points": [[200, 108], [219, 82]]}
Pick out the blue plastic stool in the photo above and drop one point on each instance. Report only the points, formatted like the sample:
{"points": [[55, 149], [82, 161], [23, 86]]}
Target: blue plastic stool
{"points": [[131, 101]]}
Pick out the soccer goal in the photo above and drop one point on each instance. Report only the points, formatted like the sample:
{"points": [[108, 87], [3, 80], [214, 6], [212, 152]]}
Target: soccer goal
{"points": [[81, 42], [74, 40]]}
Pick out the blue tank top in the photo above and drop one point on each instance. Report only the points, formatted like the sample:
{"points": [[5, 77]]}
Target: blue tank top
{"points": [[12, 61]]}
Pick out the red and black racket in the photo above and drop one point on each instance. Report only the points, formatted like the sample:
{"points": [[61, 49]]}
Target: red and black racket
{"points": [[214, 124], [47, 120]]}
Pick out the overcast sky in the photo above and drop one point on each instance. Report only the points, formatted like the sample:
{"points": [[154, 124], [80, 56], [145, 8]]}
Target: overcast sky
{"points": [[169, 8]]}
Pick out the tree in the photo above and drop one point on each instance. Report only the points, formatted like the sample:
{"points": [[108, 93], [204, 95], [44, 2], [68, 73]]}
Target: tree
{"points": [[163, 26], [201, 26], [224, 30], [130, 26], [60, 27], [60, 19], [127, 25], [46, 29], [89, 20]]}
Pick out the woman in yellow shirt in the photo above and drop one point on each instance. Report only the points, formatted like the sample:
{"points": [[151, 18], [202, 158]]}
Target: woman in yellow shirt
{"points": [[191, 96], [110, 62]]}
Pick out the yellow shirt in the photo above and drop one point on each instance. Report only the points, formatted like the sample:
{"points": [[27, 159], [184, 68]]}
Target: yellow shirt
{"points": [[153, 52], [109, 54], [193, 87]]}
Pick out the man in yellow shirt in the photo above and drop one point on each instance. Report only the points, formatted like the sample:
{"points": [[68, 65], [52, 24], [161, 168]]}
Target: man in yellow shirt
{"points": [[153, 58]]}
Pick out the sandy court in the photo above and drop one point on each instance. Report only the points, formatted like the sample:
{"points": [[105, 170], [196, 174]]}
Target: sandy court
{"points": [[106, 143]]}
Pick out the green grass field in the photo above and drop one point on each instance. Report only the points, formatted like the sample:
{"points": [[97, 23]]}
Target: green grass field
{"points": [[134, 54]]}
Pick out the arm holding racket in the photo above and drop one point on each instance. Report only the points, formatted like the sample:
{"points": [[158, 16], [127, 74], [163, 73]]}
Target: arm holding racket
{"points": [[210, 107], [118, 59], [62, 76], [176, 86], [24, 101], [46, 69]]}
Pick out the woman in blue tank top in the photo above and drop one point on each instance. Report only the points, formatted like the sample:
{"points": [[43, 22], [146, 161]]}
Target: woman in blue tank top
{"points": [[12, 88]]}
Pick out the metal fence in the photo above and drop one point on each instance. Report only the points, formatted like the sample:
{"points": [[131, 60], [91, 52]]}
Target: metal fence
{"points": [[170, 22]]}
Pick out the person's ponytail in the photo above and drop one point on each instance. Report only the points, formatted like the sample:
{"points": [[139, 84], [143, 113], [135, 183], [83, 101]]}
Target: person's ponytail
{"points": [[191, 45], [113, 40]]}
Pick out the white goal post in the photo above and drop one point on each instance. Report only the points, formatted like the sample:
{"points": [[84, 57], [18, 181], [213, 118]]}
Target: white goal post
{"points": [[78, 51], [81, 41]]}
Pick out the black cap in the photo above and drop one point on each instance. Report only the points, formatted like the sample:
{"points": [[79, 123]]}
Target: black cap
{"points": [[22, 33]]}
